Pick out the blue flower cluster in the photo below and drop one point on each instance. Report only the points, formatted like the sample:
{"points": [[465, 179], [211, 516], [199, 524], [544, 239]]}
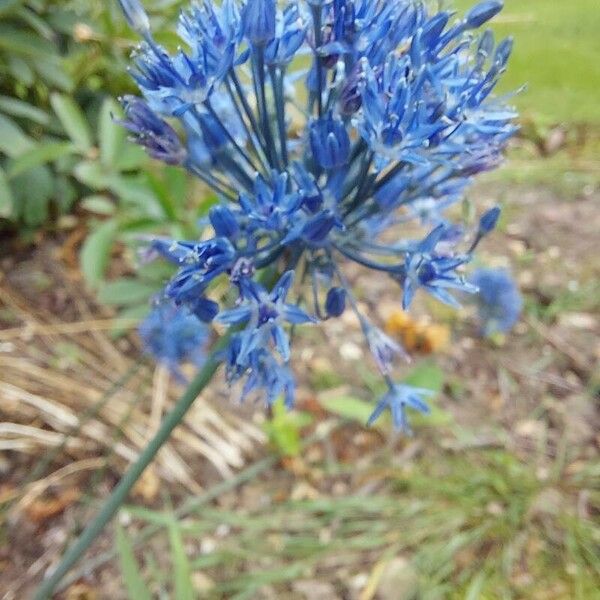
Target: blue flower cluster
{"points": [[498, 300], [324, 127], [172, 336]]}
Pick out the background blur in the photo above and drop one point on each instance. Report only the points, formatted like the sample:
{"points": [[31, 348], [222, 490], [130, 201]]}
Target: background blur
{"points": [[497, 495]]}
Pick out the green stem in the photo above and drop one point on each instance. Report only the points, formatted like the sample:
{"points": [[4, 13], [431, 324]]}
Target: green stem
{"points": [[121, 491]]}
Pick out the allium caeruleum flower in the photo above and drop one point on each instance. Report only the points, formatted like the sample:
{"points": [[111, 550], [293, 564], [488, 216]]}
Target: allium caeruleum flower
{"points": [[399, 115], [173, 336], [397, 399], [498, 301]]}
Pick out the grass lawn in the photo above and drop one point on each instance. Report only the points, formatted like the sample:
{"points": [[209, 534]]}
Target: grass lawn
{"points": [[557, 50]]}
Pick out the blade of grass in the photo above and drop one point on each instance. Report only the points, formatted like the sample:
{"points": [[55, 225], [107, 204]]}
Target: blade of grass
{"points": [[134, 582], [182, 573]]}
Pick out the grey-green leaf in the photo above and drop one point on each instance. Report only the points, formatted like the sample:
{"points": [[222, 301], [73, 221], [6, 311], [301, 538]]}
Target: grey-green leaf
{"points": [[111, 136], [6, 196], [32, 192], [348, 407], [44, 152], [92, 174], [127, 290], [73, 120], [96, 252], [19, 108], [13, 141], [98, 203]]}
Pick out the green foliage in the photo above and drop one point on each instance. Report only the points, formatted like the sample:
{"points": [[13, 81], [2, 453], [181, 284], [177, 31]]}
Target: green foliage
{"points": [[59, 62], [96, 251], [284, 429]]}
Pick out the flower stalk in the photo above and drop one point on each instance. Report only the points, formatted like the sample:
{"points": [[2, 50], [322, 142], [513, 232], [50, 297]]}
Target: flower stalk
{"points": [[121, 491]]}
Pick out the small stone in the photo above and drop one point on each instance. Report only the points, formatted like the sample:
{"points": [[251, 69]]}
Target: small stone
{"points": [[399, 580], [304, 491], [81, 591], [359, 581], [208, 545], [581, 420], [494, 508], [530, 428], [526, 278], [548, 503], [351, 351], [554, 252], [555, 140], [578, 320], [542, 473], [312, 589], [517, 247], [202, 583]]}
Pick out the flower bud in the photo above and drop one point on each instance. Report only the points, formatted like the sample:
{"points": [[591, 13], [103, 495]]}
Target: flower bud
{"points": [[329, 142], [223, 221], [259, 21], [152, 132], [483, 12], [335, 303], [136, 15], [488, 220], [318, 227]]}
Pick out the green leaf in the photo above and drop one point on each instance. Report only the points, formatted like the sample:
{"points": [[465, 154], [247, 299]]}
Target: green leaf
{"points": [[33, 191], [42, 153], [157, 271], [92, 174], [131, 157], [348, 407], [6, 196], [133, 189], [35, 22], [13, 141], [111, 136], [178, 184], [426, 375], [20, 41], [21, 70], [96, 252], [65, 193], [51, 71], [125, 291], [7, 5], [182, 574], [19, 108], [98, 203], [284, 428], [164, 195], [73, 120], [134, 582]]}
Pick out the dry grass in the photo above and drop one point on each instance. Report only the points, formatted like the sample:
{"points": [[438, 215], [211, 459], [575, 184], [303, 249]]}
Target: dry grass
{"points": [[69, 394]]}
